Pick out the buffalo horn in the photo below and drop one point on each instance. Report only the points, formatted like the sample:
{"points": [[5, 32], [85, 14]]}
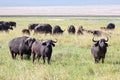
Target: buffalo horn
{"points": [[107, 39], [54, 41], [94, 40]]}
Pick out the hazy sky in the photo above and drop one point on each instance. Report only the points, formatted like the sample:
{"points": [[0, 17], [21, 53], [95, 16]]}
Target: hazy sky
{"points": [[57, 2]]}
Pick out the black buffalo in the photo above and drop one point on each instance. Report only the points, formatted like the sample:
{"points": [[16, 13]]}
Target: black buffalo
{"points": [[21, 45], [111, 26], [99, 49], [57, 30], [32, 26], [43, 28], [5, 27], [26, 31], [12, 23], [43, 48], [71, 29]]}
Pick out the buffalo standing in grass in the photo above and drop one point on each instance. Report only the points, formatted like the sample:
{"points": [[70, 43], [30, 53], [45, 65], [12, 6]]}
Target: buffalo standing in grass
{"points": [[32, 26], [99, 49], [97, 33], [71, 29], [43, 48], [111, 26], [43, 28], [57, 30], [21, 45], [5, 27]]}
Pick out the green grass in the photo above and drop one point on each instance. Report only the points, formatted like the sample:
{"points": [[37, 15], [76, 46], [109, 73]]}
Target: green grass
{"points": [[71, 58]]}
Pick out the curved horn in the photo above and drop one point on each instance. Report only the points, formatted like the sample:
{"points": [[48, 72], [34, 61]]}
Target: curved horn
{"points": [[54, 41], [94, 40], [107, 39]]}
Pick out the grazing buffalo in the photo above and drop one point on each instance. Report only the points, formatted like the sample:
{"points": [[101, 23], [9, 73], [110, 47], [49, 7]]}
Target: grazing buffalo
{"points": [[71, 29], [43, 28], [111, 26], [97, 33], [10, 23], [5, 27], [43, 48], [57, 30], [99, 49], [80, 30], [26, 31], [21, 45], [32, 26]]}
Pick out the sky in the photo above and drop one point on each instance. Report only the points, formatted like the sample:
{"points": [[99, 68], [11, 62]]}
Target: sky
{"points": [[9, 3]]}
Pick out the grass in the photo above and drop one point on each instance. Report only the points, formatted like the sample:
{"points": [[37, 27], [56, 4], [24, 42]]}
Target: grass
{"points": [[71, 58]]}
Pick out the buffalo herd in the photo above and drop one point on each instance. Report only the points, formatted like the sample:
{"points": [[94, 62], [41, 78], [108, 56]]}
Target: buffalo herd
{"points": [[43, 48]]}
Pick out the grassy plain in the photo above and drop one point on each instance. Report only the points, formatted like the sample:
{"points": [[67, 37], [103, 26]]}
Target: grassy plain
{"points": [[71, 58]]}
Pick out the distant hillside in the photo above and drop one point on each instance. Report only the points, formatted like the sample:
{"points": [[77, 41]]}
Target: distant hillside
{"points": [[93, 10]]}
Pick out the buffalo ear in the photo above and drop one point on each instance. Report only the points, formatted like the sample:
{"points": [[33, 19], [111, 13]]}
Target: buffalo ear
{"points": [[97, 43], [106, 44], [53, 44], [44, 43]]}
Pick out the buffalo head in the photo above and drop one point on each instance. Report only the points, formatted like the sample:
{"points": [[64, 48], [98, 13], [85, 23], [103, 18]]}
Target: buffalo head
{"points": [[49, 43], [30, 41], [101, 43]]}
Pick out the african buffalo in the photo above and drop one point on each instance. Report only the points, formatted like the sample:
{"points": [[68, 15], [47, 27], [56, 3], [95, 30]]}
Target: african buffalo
{"points": [[97, 33], [57, 30], [111, 26], [43, 28], [99, 49], [21, 45], [12, 23], [5, 27], [80, 30], [43, 48], [32, 26], [26, 31], [71, 29]]}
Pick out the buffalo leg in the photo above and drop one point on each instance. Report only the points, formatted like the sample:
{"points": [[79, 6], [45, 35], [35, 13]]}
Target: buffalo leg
{"points": [[38, 57], [28, 56], [15, 55], [49, 60], [33, 57], [21, 55], [96, 60], [12, 54], [43, 59], [102, 60]]}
